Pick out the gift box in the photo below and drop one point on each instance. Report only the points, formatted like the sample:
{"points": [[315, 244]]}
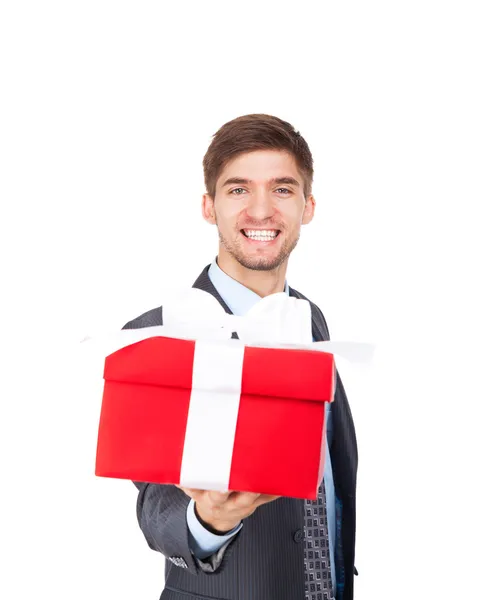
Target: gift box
{"points": [[216, 415]]}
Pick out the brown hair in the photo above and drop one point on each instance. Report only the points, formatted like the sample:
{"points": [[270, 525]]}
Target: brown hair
{"points": [[255, 132]]}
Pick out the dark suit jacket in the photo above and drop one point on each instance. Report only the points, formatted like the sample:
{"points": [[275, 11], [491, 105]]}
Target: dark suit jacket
{"points": [[265, 560]]}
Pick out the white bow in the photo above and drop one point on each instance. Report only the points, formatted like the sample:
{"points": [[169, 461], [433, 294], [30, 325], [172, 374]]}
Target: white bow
{"points": [[275, 319]]}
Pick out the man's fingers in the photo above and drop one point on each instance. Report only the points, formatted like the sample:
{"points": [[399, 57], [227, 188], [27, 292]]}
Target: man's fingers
{"points": [[218, 498], [245, 499], [215, 498], [238, 500], [264, 498], [191, 492], [242, 500]]}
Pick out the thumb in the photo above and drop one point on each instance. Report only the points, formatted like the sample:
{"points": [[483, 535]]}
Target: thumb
{"points": [[265, 498]]}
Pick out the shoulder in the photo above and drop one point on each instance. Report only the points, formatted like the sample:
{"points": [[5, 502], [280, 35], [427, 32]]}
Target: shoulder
{"points": [[151, 318]]}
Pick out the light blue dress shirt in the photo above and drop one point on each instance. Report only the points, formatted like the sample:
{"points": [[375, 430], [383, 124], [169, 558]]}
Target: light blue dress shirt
{"points": [[203, 543]]}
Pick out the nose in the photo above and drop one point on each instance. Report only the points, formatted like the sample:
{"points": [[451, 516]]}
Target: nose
{"points": [[261, 205]]}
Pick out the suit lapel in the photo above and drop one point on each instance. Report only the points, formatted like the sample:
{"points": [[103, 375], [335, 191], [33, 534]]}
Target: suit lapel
{"points": [[203, 283]]}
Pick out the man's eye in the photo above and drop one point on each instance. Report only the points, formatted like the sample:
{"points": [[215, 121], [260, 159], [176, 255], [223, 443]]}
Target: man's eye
{"points": [[235, 190], [285, 190]]}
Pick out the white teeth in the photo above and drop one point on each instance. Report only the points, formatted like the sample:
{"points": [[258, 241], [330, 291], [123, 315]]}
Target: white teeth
{"points": [[262, 236]]}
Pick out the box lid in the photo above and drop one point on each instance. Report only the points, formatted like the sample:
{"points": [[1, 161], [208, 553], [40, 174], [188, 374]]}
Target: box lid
{"points": [[277, 372]]}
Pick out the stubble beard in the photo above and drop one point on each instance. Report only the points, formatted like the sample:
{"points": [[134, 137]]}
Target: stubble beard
{"points": [[258, 264]]}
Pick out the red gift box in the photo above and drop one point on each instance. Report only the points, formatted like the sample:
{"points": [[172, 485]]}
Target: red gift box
{"points": [[216, 416]]}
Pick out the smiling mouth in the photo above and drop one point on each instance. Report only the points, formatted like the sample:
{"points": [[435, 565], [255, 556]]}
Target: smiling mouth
{"points": [[261, 235]]}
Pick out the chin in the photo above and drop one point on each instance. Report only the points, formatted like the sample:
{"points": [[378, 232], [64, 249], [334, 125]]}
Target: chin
{"points": [[256, 263]]}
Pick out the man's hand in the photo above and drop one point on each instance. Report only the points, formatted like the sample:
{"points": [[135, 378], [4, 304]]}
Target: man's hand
{"points": [[223, 511]]}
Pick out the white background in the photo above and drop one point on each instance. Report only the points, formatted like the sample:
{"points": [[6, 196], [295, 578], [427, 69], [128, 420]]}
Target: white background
{"points": [[106, 111]]}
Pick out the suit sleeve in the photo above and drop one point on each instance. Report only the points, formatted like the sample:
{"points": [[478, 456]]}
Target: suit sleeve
{"points": [[161, 514]]}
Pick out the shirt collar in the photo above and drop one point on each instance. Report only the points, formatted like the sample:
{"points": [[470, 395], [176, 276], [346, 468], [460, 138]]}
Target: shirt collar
{"points": [[238, 297]]}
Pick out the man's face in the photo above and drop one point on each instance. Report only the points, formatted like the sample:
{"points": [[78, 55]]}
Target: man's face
{"points": [[259, 208]]}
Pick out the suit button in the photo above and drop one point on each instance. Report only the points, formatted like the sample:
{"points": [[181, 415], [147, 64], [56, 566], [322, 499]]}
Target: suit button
{"points": [[298, 536]]}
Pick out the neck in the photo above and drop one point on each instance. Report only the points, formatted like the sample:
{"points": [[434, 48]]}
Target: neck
{"points": [[262, 283]]}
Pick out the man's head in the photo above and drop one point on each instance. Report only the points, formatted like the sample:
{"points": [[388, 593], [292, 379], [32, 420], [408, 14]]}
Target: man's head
{"points": [[258, 176]]}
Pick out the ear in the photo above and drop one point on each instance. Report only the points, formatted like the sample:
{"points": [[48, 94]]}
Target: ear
{"points": [[309, 208], [208, 209]]}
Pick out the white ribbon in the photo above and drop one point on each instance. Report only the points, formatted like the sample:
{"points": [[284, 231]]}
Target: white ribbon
{"points": [[276, 321], [277, 318], [212, 416]]}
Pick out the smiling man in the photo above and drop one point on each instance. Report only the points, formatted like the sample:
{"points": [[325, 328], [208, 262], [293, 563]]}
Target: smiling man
{"points": [[258, 204], [242, 546]]}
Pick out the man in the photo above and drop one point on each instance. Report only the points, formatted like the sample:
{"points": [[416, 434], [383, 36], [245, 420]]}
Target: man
{"points": [[243, 546]]}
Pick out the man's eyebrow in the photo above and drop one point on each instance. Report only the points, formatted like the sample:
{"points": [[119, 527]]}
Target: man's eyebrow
{"points": [[288, 180], [276, 180], [240, 180]]}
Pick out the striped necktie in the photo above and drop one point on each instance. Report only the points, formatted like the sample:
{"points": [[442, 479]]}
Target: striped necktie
{"points": [[318, 583]]}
